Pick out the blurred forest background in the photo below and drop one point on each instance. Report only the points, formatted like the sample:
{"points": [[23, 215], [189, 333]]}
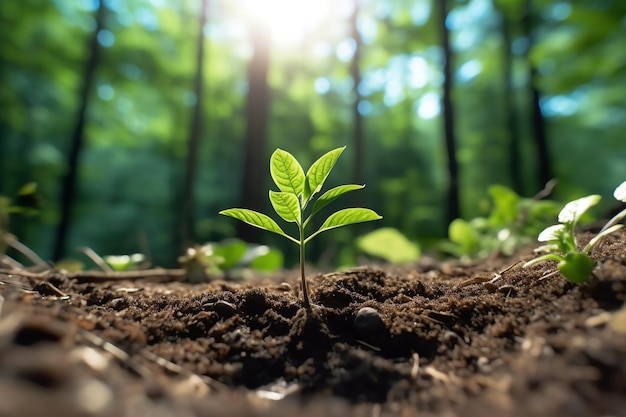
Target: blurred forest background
{"points": [[140, 119]]}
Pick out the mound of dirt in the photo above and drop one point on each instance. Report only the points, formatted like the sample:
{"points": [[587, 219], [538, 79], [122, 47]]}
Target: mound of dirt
{"points": [[440, 339]]}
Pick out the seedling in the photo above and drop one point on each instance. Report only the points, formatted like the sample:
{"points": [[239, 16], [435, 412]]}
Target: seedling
{"points": [[200, 262], [296, 192], [575, 265], [126, 262], [230, 259], [512, 222]]}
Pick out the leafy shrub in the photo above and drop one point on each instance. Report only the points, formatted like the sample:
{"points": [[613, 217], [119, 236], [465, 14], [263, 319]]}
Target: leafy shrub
{"points": [[512, 223]]}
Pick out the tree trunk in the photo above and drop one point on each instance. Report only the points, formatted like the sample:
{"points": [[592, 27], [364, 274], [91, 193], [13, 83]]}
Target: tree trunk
{"points": [[544, 169], [187, 220], [355, 71], [257, 112], [509, 107], [453, 210], [68, 186]]}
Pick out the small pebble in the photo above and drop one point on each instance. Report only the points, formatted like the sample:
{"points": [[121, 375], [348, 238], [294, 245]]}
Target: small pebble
{"points": [[483, 365], [368, 322], [224, 308], [450, 338]]}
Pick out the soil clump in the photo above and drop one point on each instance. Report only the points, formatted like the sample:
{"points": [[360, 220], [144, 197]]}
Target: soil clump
{"points": [[440, 339]]}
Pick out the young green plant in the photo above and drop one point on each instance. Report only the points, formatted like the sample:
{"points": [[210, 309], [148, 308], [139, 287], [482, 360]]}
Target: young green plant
{"points": [[575, 265], [297, 190]]}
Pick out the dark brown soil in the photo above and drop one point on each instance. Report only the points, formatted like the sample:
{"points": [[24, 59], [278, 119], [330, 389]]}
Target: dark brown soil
{"points": [[434, 343]]}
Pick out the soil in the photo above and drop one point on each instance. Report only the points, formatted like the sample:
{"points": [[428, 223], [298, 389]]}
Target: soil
{"points": [[431, 339]]}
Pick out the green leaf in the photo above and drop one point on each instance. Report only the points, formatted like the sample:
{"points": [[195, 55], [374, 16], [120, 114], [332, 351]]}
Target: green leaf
{"points": [[256, 219], [119, 262], [231, 250], [287, 206], [29, 188], [505, 206], [287, 172], [318, 172], [271, 261], [462, 233], [389, 244], [332, 194], [345, 217]]}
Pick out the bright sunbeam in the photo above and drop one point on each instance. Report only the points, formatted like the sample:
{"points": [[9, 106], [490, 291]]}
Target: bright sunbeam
{"points": [[290, 21]]}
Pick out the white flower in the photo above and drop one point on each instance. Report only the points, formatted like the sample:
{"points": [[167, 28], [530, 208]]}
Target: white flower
{"points": [[574, 209], [620, 192], [551, 233]]}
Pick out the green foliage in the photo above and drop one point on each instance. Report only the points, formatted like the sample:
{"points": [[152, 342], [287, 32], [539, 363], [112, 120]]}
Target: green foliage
{"points": [[125, 262], [266, 259], [201, 263], [27, 202], [230, 259], [389, 244], [297, 190], [130, 171], [229, 252], [512, 222], [575, 264], [235, 253], [465, 237]]}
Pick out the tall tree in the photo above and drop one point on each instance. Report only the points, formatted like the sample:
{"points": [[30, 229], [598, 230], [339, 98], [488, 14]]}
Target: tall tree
{"points": [[544, 170], [257, 112], [509, 103], [453, 210], [355, 72], [68, 186], [187, 212]]}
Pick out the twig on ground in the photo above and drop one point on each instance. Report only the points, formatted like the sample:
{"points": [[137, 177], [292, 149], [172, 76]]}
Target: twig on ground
{"points": [[95, 258], [12, 241], [161, 275], [485, 279]]}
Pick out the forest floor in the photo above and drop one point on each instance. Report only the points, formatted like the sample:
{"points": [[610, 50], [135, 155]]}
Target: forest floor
{"points": [[438, 339]]}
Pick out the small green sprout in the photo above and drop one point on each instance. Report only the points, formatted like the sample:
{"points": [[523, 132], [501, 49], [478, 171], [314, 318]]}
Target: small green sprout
{"points": [[296, 192], [575, 265], [200, 262], [125, 262]]}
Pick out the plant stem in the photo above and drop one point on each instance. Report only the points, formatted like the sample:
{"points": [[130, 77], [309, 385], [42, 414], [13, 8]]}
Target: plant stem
{"points": [[305, 289]]}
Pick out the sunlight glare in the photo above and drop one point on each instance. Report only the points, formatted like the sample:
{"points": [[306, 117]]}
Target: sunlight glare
{"points": [[289, 21], [428, 106]]}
